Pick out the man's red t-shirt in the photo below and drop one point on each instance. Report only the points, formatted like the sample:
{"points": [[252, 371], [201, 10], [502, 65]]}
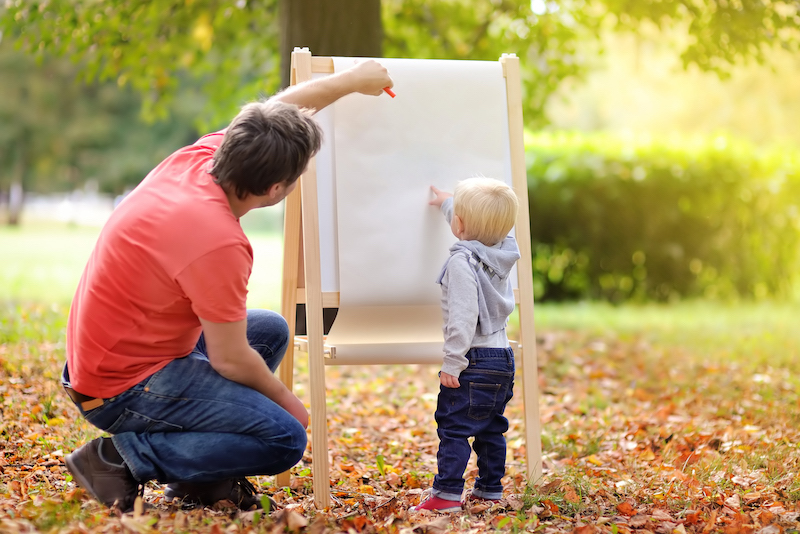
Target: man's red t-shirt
{"points": [[171, 252]]}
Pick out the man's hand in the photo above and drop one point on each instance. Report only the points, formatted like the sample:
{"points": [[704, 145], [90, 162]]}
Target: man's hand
{"points": [[440, 197], [449, 381], [294, 406], [232, 357], [369, 77]]}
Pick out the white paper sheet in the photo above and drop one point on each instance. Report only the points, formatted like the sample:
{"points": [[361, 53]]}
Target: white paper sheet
{"points": [[380, 156], [386, 335]]}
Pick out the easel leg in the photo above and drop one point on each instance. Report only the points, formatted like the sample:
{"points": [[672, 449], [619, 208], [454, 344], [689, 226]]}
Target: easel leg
{"points": [[291, 260], [319, 422], [530, 371]]}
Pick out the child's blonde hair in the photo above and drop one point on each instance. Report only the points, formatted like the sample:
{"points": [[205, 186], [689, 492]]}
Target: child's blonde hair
{"points": [[487, 207]]}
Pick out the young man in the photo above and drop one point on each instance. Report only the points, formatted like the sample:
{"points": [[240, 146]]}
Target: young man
{"points": [[162, 352]]}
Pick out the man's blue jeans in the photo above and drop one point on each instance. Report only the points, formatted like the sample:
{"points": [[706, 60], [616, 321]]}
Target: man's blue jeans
{"points": [[186, 423], [475, 409]]}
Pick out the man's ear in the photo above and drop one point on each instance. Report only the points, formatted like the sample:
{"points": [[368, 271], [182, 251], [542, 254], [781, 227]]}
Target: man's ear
{"points": [[274, 190]]}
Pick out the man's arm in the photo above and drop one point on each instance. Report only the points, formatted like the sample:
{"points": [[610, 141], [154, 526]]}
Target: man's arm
{"points": [[232, 357], [367, 77]]}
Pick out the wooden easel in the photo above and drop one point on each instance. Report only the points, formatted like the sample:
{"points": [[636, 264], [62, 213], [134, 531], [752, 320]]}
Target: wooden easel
{"points": [[302, 284]]}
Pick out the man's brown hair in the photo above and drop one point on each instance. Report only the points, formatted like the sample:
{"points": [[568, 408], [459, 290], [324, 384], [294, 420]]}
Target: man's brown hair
{"points": [[266, 143]]}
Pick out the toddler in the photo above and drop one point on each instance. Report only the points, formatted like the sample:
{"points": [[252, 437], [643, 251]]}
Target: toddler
{"points": [[477, 376]]}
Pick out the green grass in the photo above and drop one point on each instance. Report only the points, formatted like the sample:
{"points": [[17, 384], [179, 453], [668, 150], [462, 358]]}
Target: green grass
{"points": [[756, 334], [698, 372], [42, 262]]}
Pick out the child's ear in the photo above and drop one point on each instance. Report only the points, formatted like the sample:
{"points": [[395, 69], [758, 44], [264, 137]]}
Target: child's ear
{"points": [[458, 226]]}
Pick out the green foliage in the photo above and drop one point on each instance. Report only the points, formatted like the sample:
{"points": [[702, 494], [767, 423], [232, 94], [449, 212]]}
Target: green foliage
{"points": [[653, 93], [59, 134], [56, 133], [720, 32], [622, 220], [546, 42], [381, 463], [228, 47], [266, 504], [231, 46]]}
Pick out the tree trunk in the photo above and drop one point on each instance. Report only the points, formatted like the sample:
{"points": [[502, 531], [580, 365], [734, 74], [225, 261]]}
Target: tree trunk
{"points": [[329, 28], [15, 194]]}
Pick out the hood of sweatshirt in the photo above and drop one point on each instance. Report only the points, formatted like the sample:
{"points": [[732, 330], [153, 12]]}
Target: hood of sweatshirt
{"points": [[492, 267], [499, 258]]}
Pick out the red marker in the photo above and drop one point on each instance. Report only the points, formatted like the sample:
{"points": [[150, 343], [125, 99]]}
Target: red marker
{"points": [[389, 92]]}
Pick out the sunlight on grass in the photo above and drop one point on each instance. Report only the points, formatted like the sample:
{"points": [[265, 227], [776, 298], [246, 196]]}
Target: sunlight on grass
{"points": [[756, 334], [42, 262], [640, 405], [264, 289]]}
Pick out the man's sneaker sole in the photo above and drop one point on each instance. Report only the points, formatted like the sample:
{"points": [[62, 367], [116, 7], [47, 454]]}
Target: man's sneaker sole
{"points": [[239, 491]]}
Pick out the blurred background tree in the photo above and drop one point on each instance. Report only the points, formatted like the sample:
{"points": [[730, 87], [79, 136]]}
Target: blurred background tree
{"points": [[690, 71], [234, 48], [55, 134], [641, 86], [229, 51]]}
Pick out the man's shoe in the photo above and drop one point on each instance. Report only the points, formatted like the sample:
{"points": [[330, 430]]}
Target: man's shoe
{"points": [[435, 504], [111, 484], [237, 490]]}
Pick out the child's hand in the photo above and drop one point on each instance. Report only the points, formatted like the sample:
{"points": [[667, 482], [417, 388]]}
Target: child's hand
{"points": [[448, 381], [441, 196]]}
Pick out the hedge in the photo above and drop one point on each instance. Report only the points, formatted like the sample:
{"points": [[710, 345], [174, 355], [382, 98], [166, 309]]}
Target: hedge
{"points": [[660, 220]]}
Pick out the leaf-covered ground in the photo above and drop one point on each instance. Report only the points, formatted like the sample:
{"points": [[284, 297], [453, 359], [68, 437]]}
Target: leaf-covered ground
{"points": [[638, 437]]}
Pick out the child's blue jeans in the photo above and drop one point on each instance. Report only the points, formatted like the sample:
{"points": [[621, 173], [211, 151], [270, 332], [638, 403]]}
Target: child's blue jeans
{"points": [[187, 423], [475, 409]]}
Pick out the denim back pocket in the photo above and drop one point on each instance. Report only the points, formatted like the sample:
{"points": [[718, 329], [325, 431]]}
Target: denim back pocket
{"points": [[483, 399], [130, 421]]}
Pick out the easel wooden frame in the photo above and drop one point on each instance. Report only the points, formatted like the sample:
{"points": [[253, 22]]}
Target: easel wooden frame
{"points": [[302, 284]]}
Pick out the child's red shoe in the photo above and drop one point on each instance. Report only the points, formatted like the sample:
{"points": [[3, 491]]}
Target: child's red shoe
{"points": [[435, 504]]}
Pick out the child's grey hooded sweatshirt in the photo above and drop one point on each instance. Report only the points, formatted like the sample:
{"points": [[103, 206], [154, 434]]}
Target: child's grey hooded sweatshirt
{"points": [[477, 296]]}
